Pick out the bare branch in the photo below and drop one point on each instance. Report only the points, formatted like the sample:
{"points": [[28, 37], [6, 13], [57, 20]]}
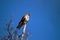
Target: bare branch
{"points": [[8, 30]]}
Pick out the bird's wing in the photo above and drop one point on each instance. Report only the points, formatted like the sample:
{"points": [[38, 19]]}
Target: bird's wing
{"points": [[21, 23]]}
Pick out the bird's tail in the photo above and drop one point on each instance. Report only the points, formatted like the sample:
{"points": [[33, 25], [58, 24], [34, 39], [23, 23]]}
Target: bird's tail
{"points": [[19, 26]]}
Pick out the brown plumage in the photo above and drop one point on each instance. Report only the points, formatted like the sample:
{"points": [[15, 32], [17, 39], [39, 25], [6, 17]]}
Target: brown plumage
{"points": [[24, 20]]}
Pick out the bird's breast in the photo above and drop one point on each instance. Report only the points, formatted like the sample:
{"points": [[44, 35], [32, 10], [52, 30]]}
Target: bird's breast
{"points": [[27, 18]]}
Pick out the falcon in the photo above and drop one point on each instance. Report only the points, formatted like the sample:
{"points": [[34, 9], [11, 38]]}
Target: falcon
{"points": [[24, 20]]}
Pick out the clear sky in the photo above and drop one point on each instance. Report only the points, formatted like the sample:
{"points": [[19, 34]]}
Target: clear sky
{"points": [[44, 21]]}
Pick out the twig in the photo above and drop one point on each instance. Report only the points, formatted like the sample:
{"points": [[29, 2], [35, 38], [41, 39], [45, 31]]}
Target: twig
{"points": [[23, 32], [8, 30]]}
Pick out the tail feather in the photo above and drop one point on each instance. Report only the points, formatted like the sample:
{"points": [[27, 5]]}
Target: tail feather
{"points": [[19, 25]]}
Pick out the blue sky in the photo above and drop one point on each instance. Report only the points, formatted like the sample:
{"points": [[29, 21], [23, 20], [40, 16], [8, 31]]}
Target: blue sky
{"points": [[44, 21]]}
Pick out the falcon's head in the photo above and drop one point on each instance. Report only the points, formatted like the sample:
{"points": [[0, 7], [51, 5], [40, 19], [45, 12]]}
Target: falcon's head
{"points": [[27, 15]]}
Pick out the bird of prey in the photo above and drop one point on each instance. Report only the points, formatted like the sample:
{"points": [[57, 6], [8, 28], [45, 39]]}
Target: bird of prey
{"points": [[24, 20]]}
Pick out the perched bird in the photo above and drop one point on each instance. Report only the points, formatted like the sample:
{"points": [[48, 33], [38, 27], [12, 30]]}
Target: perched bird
{"points": [[24, 20]]}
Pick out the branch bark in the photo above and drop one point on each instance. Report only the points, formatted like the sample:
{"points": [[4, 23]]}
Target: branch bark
{"points": [[23, 32]]}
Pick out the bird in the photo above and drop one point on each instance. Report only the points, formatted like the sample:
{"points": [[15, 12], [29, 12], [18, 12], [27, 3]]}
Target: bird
{"points": [[24, 20]]}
